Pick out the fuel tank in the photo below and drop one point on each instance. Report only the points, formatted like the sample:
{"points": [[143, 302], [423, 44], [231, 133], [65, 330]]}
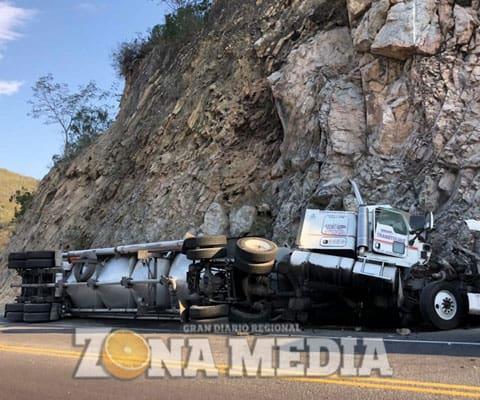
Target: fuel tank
{"points": [[345, 272]]}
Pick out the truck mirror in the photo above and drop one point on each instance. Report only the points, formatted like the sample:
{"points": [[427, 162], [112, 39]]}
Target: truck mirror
{"points": [[417, 223], [429, 221]]}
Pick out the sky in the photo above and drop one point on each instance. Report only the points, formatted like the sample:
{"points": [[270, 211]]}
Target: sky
{"points": [[71, 39]]}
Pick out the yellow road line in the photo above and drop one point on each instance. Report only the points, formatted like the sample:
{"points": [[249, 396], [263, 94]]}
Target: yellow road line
{"points": [[393, 384], [398, 388], [417, 383]]}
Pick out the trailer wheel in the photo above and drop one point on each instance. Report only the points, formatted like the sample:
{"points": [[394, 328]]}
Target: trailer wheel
{"points": [[14, 316], [36, 317], [213, 311], [40, 263], [17, 264], [256, 250], [206, 253], [37, 308], [42, 255], [442, 305], [238, 315], [14, 307], [254, 269], [204, 241]]}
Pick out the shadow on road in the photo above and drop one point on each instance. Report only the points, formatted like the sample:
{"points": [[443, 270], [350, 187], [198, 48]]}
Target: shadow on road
{"points": [[459, 342]]}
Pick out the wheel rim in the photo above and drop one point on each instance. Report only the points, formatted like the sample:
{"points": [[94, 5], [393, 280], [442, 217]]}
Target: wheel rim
{"points": [[257, 244], [445, 305]]}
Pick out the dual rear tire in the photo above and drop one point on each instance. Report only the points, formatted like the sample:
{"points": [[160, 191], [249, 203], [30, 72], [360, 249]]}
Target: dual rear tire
{"points": [[205, 247], [255, 256], [14, 312], [32, 260], [19, 312]]}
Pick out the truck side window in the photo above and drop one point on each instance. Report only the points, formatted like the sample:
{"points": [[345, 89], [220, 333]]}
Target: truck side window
{"points": [[393, 219]]}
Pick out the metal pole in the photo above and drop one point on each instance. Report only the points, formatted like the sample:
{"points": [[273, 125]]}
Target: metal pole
{"points": [[161, 247]]}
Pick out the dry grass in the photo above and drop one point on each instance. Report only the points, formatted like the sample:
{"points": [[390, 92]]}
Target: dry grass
{"points": [[9, 184]]}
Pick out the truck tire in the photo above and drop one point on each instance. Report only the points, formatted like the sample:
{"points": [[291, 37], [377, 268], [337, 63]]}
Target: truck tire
{"points": [[442, 305], [17, 256], [254, 269], [14, 307], [37, 308], [238, 315], [213, 311], [204, 241], [206, 253], [40, 263], [256, 250], [42, 255], [36, 317], [14, 316], [17, 264]]}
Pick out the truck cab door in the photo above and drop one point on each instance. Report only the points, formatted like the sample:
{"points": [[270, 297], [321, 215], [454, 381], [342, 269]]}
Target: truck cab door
{"points": [[390, 236]]}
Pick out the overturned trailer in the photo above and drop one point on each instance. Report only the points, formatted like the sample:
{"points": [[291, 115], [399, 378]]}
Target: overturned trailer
{"points": [[375, 258]]}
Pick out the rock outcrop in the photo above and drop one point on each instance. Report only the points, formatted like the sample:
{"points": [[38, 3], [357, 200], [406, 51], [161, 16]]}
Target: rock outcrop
{"points": [[274, 107]]}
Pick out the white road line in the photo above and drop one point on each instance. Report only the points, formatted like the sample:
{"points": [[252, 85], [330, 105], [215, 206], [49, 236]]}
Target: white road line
{"points": [[388, 340], [450, 343]]}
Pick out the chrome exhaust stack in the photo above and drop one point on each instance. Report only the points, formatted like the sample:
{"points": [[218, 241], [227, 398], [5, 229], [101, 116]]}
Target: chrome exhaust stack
{"points": [[362, 221], [358, 195]]}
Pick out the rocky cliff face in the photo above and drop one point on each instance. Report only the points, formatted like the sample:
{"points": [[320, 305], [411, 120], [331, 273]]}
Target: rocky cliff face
{"points": [[273, 108]]}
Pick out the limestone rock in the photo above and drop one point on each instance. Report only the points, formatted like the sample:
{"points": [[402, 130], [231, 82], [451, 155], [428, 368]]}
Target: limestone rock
{"points": [[242, 220], [466, 21], [346, 120], [330, 53], [447, 182], [371, 23], [215, 221], [357, 7], [412, 27], [429, 195]]}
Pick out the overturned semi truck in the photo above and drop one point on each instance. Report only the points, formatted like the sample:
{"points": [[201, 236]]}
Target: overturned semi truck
{"points": [[375, 258]]}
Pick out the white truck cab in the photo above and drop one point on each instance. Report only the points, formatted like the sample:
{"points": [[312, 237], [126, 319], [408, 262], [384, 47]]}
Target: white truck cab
{"points": [[387, 235]]}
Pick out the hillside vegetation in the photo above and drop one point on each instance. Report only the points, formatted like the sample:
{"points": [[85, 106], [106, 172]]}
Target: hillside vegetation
{"points": [[9, 184]]}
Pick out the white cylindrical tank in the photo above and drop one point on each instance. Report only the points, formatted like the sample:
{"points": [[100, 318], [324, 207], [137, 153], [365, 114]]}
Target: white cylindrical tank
{"points": [[108, 277], [144, 288]]}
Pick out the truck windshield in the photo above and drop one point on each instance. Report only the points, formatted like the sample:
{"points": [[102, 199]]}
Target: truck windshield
{"points": [[393, 219]]}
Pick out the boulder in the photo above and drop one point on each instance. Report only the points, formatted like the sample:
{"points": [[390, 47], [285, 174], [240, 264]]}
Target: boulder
{"points": [[466, 21], [371, 23], [412, 27], [215, 221], [242, 220]]}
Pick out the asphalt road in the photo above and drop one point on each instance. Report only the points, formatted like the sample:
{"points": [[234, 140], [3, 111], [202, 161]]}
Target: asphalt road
{"points": [[39, 361]]}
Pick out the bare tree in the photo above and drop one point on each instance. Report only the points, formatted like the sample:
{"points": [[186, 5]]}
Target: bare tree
{"points": [[77, 114]]}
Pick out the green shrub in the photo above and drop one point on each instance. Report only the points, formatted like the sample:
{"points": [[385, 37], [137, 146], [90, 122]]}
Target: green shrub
{"points": [[180, 27], [127, 54], [23, 200]]}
